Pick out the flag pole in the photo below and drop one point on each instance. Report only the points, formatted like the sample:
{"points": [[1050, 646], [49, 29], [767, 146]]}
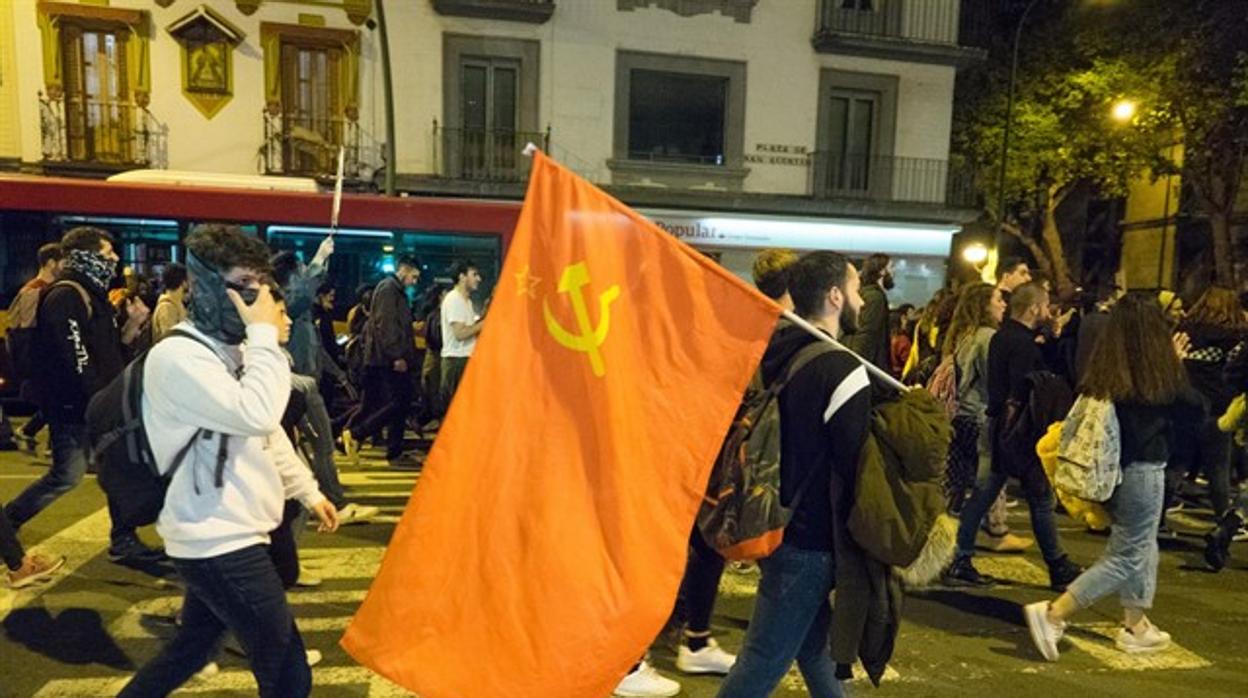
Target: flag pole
{"points": [[333, 214], [871, 368]]}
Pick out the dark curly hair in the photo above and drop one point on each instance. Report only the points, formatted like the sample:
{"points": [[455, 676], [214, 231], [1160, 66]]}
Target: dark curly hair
{"points": [[223, 247]]}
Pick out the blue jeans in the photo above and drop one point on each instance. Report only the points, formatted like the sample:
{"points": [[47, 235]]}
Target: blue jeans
{"points": [[791, 619], [69, 464], [1129, 563], [241, 592], [1039, 500]]}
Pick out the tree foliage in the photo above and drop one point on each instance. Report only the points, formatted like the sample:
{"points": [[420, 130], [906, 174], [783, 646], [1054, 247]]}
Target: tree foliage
{"points": [[1185, 66]]}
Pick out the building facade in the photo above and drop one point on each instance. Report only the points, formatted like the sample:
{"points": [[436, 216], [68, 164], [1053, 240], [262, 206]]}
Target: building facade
{"points": [[735, 123]]}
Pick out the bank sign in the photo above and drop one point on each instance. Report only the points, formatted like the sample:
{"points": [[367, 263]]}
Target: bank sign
{"points": [[712, 230]]}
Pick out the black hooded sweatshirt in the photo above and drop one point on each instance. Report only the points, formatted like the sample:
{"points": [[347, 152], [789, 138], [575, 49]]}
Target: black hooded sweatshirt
{"points": [[80, 350], [824, 414]]}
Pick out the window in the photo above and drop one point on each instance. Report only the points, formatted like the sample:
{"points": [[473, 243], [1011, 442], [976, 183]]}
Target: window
{"points": [[676, 117], [97, 112], [855, 133], [490, 107], [311, 103], [679, 121], [864, 5], [851, 124], [311, 88], [489, 93]]}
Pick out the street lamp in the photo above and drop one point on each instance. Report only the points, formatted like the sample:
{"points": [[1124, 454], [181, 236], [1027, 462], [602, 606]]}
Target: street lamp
{"points": [[1123, 110], [1009, 118], [975, 254]]}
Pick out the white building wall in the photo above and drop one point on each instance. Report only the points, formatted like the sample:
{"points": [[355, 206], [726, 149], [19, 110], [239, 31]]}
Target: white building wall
{"points": [[577, 81]]}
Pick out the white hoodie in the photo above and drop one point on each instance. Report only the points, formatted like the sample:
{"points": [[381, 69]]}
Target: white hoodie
{"points": [[187, 387]]}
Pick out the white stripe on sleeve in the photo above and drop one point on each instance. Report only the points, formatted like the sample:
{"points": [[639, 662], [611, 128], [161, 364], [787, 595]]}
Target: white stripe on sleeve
{"points": [[856, 381]]}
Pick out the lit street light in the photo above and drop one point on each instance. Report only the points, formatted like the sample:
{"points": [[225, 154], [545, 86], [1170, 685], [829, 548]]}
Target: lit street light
{"points": [[1124, 110], [975, 254]]}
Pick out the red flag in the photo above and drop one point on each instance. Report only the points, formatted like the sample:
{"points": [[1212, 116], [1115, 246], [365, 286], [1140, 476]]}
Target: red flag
{"points": [[543, 547]]}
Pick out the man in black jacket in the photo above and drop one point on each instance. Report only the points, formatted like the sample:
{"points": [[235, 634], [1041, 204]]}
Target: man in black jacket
{"points": [[824, 413], [871, 340], [1012, 356], [80, 348], [390, 359]]}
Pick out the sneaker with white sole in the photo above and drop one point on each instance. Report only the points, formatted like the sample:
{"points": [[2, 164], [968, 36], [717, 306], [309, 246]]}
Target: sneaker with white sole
{"points": [[34, 569], [356, 514], [210, 670], [1044, 634], [314, 657], [1147, 638], [645, 682], [1241, 535], [708, 660]]}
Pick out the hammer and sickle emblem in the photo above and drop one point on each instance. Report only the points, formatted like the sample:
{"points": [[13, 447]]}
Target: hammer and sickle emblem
{"points": [[575, 278]]}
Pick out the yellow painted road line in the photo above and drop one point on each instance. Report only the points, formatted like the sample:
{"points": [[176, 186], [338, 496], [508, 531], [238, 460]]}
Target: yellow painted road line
{"points": [[1097, 640], [236, 680], [79, 543]]}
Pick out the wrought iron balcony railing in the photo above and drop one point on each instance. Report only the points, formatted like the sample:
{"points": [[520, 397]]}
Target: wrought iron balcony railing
{"points": [[533, 11], [920, 21], [486, 155], [308, 147], [114, 134], [888, 178]]}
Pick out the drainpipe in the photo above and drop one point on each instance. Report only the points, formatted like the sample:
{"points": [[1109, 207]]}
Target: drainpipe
{"points": [[388, 85]]}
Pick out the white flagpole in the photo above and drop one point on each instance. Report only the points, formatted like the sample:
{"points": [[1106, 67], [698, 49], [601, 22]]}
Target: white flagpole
{"points": [[333, 216], [871, 368]]}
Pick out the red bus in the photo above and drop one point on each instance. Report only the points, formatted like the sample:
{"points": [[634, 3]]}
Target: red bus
{"points": [[150, 221]]}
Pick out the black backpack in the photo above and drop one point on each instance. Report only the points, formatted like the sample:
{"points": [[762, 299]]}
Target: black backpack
{"points": [[121, 451]]}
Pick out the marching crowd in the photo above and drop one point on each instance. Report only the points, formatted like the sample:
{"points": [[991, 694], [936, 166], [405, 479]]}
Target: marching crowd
{"points": [[249, 400]]}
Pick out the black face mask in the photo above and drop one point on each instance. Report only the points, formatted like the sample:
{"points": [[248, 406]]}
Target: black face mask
{"points": [[210, 309]]}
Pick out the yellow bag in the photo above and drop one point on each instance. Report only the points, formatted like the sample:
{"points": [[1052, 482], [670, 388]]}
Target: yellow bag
{"points": [[1092, 514]]}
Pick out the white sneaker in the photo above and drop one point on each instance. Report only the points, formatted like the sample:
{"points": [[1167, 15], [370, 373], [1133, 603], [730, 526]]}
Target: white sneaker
{"points": [[708, 660], [1044, 634], [314, 657], [1241, 535], [1147, 639], [210, 670], [645, 683], [356, 514]]}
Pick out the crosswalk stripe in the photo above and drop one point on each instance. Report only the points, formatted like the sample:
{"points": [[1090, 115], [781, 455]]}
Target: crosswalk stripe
{"points": [[78, 543], [1097, 640], [238, 680]]}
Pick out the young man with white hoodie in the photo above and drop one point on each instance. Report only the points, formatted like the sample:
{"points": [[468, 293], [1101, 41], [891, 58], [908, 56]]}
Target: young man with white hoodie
{"points": [[221, 399]]}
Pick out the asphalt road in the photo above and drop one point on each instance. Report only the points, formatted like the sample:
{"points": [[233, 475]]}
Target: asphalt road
{"points": [[84, 633]]}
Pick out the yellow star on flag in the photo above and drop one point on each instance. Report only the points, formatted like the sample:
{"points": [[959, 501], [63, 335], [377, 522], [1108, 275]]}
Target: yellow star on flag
{"points": [[526, 283]]}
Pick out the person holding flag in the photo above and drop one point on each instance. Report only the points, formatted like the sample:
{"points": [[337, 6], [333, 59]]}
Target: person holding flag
{"points": [[824, 416]]}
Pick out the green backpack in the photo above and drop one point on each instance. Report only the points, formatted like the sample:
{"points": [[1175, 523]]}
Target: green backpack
{"points": [[741, 515]]}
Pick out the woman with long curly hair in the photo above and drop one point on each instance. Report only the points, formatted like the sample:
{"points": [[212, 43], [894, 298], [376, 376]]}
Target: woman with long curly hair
{"points": [[979, 311], [1135, 365]]}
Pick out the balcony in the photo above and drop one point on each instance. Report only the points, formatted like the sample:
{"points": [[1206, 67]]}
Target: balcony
{"points": [[308, 147], [531, 11], [926, 31], [484, 155], [889, 179], [100, 137]]}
